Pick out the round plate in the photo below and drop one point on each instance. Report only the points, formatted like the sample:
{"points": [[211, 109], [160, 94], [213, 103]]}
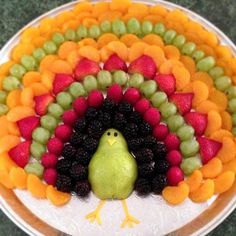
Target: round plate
{"points": [[39, 217]]}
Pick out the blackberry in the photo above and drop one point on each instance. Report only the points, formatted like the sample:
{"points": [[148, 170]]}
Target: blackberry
{"points": [[125, 108], [145, 129], [149, 142], [146, 170], [144, 155], [90, 145], [82, 157], [109, 105], [119, 121], [130, 130], [91, 113], [159, 182], [135, 117], [162, 166], [68, 151], [80, 125], [135, 144], [78, 172], [64, 183], [105, 118], [160, 150], [76, 139], [63, 166], [82, 188], [95, 129], [142, 186]]}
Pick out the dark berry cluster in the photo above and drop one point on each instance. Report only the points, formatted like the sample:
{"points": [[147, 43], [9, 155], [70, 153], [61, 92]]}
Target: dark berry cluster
{"points": [[150, 155]]}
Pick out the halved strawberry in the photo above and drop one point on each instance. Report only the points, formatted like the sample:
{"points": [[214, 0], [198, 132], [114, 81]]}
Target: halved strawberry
{"points": [[27, 126], [208, 148], [115, 63], [42, 102], [20, 154], [143, 65], [61, 82], [166, 83], [198, 121], [183, 101], [86, 67]]}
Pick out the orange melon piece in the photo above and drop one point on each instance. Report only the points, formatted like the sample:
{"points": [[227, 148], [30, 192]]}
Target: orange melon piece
{"points": [[47, 79], [13, 128], [36, 186], [156, 53], [182, 77], [212, 169], [206, 106], [172, 52], [61, 67], [219, 98], [3, 126], [224, 181], [204, 192], [122, 6], [46, 62], [73, 58], [226, 120], [231, 166], [27, 97], [189, 64], [204, 77], [88, 42], [129, 39], [137, 50], [214, 122], [5, 179], [21, 50], [19, 112], [228, 150], [56, 197], [18, 177], [38, 89], [153, 39], [201, 92], [5, 67], [105, 39], [6, 162], [89, 52], [194, 180], [220, 134], [13, 98], [83, 6], [31, 77], [176, 194], [8, 142], [66, 48]]}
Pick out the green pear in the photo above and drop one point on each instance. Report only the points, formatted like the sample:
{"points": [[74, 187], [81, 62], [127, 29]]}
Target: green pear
{"points": [[112, 169]]}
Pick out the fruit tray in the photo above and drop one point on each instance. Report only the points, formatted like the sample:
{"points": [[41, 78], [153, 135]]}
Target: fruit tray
{"points": [[129, 101]]}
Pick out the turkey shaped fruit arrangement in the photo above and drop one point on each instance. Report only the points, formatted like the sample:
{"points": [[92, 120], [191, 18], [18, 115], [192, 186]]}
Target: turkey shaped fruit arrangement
{"points": [[114, 98]]}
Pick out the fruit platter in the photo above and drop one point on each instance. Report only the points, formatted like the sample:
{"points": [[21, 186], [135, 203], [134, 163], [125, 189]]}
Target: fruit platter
{"points": [[118, 118]]}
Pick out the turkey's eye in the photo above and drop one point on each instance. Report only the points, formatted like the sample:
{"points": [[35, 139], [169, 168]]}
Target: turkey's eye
{"points": [[108, 133], [115, 134]]}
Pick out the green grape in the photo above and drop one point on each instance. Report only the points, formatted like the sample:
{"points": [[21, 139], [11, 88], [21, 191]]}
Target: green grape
{"points": [[189, 148], [3, 109], [82, 32], [159, 29], [147, 27], [174, 122], [120, 77], [179, 41], [234, 131], [58, 38], [55, 109], [39, 54], [41, 135], [206, 64], [222, 83], [198, 55], [136, 80], [118, 27], [10, 83], [148, 88], [232, 105], [188, 48], [216, 72], [133, 26], [90, 83], [231, 92], [168, 109], [105, 26], [158, 98], [104, 79], [48, 122], [50, 47], [37, 150], [70, 35], [185, 132], [3, 97], [169, 36], [234, 119], [34, 168], [94, 31], [64, 99], [29, 62], [190, 164], [17, 70], [76, 89]]}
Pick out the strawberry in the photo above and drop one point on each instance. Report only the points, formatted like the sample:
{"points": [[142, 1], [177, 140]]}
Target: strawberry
{"points": [[27, 126], [61, 82], [208, 148], [143, 65], [115, 63], [20, 154], [42, 102], [183, 101], [166, 83], [86, 67], [198, 121]]}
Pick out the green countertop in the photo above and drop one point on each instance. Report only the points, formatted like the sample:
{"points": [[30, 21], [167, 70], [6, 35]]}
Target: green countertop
{"points": [[16, 13]]}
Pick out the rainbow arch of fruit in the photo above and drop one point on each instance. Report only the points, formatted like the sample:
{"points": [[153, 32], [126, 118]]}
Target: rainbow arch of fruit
{"points": [[189, 80]]}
